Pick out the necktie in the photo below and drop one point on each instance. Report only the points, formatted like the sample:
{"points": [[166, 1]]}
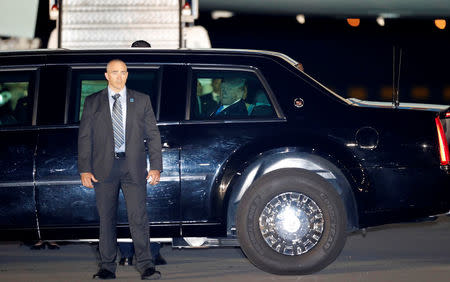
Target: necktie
{"points": [[119, 136], [220, 109]]}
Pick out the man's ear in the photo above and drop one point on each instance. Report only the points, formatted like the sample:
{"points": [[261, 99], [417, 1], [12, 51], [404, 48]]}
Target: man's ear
{"points": [[106, 76], [244, 92]]}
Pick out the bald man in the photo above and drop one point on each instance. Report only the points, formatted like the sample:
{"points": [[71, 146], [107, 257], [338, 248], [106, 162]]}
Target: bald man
{"points": [[111, 156]]}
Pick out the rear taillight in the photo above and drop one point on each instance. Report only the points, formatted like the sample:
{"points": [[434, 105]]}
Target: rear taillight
{"points": [[443, 146]]}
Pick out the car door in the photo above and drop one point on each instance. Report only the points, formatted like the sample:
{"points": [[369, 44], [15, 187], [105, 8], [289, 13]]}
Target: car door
{"points": [[170, 112], [214, 136], [17, 148], [63, 202]]}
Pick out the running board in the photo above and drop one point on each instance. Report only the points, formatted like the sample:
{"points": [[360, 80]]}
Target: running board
{"points": [[120, 240], [177, 242], [203, 242]]}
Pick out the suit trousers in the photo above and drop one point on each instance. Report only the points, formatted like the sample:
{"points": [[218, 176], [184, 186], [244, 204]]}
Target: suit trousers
{"points": [[106, 195]]}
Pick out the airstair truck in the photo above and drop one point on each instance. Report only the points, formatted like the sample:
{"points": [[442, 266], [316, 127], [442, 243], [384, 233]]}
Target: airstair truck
{"points": [[98, 24]]}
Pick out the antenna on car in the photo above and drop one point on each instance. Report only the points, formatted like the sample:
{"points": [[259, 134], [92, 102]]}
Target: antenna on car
{"points": [[396, 67]]}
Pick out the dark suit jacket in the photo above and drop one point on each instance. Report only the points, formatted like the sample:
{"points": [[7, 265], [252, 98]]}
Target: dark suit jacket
{"points": [[236, 110], [96, 137], [208, 105]]}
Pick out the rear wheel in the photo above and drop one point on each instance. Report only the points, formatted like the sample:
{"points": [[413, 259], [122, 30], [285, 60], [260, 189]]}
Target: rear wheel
{"points": [[291, 221]]}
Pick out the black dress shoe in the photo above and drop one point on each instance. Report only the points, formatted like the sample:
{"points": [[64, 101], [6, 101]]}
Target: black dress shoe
{"points": [[150, 274], [39, 245], [104, 274], [52, 246], [122, 261], [159, 260]]}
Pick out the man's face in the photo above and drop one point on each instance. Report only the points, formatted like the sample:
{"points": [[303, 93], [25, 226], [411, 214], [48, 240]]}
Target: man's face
{"points": [[116, 74], [231, 94]]}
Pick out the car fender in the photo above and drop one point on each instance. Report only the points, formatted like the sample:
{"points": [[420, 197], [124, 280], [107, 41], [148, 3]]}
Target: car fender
{"points": [[290, 157]]}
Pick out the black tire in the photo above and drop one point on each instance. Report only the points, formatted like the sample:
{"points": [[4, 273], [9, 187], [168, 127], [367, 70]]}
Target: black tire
{"points": [[293, 182]]}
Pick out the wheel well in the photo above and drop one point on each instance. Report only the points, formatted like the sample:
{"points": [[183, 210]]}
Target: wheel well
{"points": [[289, 157]]}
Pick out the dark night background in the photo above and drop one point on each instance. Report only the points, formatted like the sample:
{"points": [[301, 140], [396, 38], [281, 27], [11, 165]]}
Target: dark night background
{"points": [[356, 62], [345, 57]]}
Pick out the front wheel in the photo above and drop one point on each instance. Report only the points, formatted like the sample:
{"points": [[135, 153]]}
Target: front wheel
{"points": [[291, 221]]}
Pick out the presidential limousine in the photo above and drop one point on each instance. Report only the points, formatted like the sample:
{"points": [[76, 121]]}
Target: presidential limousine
{"points": [[283, 167]]}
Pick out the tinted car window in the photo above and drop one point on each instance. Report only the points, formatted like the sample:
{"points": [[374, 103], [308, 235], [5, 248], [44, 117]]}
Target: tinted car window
{"points": [[229, 94], [16, 103], [88, 81]]}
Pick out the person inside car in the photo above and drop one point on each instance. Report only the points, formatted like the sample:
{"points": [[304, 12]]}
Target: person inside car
{"points": [[211, 100], [232, 104]]}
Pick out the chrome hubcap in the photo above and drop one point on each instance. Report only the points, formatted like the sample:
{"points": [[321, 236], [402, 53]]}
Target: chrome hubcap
{"points": [[291, 223]]}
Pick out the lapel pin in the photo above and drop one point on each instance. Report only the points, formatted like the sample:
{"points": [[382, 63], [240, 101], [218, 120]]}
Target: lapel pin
{"points": [[131, 100]]}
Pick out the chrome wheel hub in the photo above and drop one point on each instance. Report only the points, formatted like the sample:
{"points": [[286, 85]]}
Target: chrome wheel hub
{"points": [[291, 223]]}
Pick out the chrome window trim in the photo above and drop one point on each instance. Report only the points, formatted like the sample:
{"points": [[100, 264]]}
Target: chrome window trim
{"points": [[224, 67]]}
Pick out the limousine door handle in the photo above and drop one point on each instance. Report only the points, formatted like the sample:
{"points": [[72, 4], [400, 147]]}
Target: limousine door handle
{"points": [[166, 145]]}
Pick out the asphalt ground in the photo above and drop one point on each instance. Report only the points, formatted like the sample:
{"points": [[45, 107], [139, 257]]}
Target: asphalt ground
{"points": [[399, 252]]}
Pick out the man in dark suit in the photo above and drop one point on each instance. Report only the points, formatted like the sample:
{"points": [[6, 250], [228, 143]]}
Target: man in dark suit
{"points": [[232, 105], [210, 101], [111, 156]]}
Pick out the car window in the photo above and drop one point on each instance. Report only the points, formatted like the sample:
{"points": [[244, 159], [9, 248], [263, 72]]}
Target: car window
{"points": [[88, 81], [229, 94], [16, 101]]}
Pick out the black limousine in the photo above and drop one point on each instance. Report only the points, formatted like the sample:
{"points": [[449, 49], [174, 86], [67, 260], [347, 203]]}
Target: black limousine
{"points": [[286, 177]]}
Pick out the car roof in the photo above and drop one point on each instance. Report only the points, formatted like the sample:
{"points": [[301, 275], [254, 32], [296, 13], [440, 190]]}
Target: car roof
{"points": [[186, 51], [277, 56]]}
